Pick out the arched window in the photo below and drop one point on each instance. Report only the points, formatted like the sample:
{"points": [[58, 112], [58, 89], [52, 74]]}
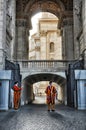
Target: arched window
{"points": [[51, 47]]}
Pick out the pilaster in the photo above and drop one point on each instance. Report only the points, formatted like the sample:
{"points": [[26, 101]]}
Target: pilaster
{"points": [[67, 38], [13, 28], [21, 47], [77, 26]]}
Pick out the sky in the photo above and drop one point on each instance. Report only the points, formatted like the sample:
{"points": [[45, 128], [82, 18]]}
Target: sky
{"points": [[34, 22]]}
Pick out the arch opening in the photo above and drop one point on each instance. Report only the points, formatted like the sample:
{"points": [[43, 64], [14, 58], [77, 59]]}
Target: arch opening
{"points": [[49, 6], [35, 85], [45, 41], [30, 10]]}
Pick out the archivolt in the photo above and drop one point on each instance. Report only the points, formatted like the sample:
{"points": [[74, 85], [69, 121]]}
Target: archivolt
{"points": [[55, 7]]}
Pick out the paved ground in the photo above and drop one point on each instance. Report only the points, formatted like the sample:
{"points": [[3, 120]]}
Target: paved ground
{"points": [[36, 117]]}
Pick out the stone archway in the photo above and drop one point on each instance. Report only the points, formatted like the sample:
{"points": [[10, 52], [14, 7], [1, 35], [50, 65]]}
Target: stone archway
{"points": [[61, 8], [34, 78], [49, 6]]}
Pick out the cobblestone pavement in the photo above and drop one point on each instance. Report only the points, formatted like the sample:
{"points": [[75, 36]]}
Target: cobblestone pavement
{"points": [[36, 117]]}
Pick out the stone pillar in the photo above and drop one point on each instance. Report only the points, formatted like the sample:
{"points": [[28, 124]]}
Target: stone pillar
{"points": [[67, 39], [13, 28], [77, 27], [43, 49], [21, 48], [10, 28], [84, 28], [2, 33]]}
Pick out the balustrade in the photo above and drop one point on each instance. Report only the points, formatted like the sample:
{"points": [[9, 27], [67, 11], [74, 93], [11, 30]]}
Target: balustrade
{"points": [[44, 65]]}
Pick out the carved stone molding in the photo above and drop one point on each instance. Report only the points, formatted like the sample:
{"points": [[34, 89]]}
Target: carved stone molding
{"points": [[44, 5], [43, 33], [52, 6], [47, 6]]}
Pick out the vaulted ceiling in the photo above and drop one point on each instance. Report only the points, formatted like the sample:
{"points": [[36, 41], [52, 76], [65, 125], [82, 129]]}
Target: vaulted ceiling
{"points": [[30, 7], [45, 77]]}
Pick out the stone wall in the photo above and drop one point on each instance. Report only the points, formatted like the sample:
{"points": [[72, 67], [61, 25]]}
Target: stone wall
{"points": [[77, 27], [39, 45], [84, 28], [67, 39], [79, 11], [21, 45], [10, 28], [13, 29], [80, 89], [7, 30], [54, 36], [2, 32]]}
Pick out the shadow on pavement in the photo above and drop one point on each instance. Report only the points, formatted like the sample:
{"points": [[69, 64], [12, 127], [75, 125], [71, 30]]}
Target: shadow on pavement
{"points": [[56, 115]]}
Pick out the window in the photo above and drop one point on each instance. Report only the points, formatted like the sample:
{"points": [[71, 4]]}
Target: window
{"points": [[51, 47]]}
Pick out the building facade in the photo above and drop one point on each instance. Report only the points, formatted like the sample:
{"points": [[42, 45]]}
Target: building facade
{"points": [[46, 43]]}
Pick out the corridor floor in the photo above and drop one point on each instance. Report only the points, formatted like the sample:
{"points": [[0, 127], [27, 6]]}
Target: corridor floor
{"points": [[36, 117]]}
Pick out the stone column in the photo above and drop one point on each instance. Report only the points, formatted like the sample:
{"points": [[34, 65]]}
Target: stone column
{"points": [[77, 27], [84, 28], [67, 39], [21, 48], [2, 33]]}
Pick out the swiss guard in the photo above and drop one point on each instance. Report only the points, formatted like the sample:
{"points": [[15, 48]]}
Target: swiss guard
{"points": [[17, 94]]}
